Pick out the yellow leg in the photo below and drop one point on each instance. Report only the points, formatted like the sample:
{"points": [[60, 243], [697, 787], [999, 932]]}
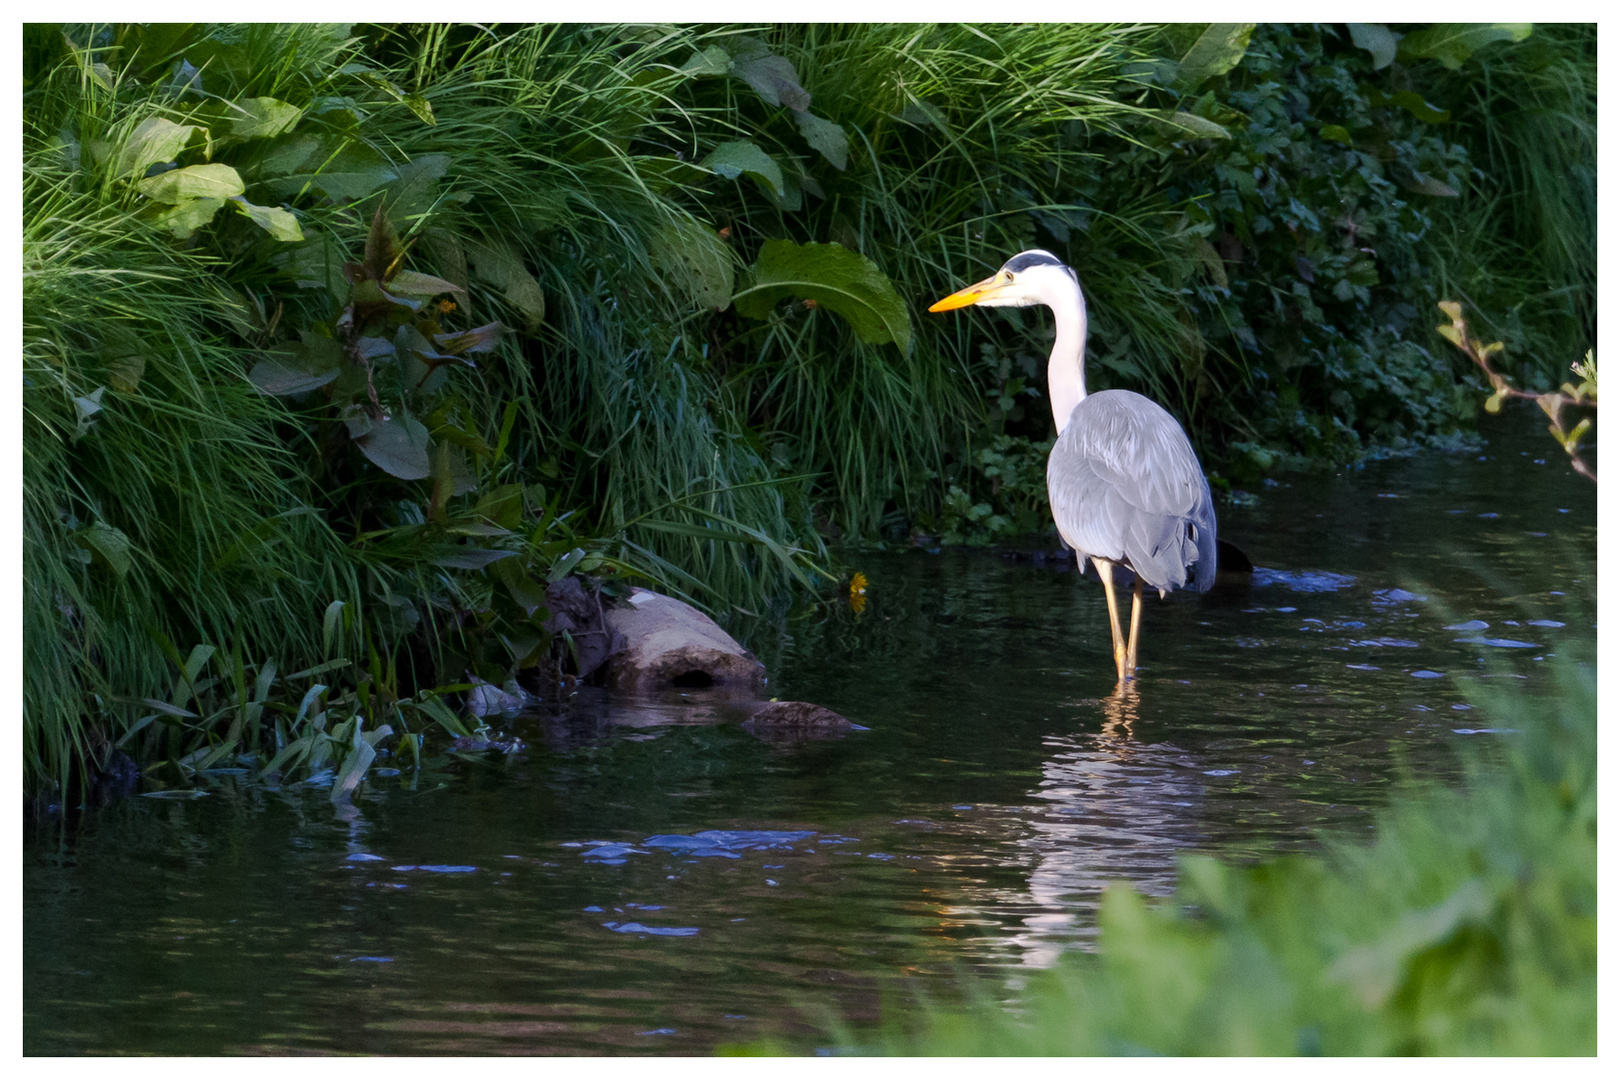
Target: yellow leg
{"points": [[1136, 626], [1105, 570]]}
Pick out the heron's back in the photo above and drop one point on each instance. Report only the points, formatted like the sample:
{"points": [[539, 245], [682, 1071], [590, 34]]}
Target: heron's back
{"points": [[1125, 486]]}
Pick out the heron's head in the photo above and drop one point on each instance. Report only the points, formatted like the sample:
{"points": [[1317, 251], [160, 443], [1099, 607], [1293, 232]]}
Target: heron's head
{"points": [[1030, 277]]}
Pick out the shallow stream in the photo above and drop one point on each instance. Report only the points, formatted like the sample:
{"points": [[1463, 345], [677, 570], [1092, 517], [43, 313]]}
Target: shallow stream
{"points": [[649, 877]]}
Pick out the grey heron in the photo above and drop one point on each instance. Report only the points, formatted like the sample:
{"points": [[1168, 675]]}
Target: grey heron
{"points": [[1125, 486]]}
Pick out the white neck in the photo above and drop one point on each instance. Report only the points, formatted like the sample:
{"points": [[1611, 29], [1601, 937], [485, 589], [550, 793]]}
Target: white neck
{"points": [[1065, 371]]}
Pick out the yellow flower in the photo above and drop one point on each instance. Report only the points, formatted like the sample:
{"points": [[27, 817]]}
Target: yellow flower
{"points": [[857, 593]]}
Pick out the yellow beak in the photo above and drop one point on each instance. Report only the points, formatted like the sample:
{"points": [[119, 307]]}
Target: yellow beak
{"points": [[984, 290]]}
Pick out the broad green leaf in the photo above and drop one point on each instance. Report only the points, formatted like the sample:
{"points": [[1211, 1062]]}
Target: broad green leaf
{"points": [[842, 281], [398, 445], [317, 362], [279, 223], [411, 283], [1453, 43], [192, 182], [261, 118], [417, 187], [188, 216], [1185, 125], [479, 339], [353, 770], [732, 159], [421, 107], [695, 262], [421, 365], [465, 558], [503, 507], [110, 543], [290, 154], [772, 77], [1219, 49], [1335, 132], [711, 61], [825, 136], [1411, 102], [1377, 39], [156, 140], [500, 264], [1425, 184], [331, 624], [353, 173]]}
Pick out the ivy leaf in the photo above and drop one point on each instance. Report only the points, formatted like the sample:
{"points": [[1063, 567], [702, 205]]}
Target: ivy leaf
{"points": [[1219, 49], [1453, 43], [733, 159], [842, 281], [827, 137], [156, 140], [279, 223], [261, 118], [398, 445], [192, 182], [1377, 39]]}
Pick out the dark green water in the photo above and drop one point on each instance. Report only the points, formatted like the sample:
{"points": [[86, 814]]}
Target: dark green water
{"points": [[971, 828]]}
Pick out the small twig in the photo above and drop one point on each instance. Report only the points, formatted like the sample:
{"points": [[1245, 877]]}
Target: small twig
{"points": [[1552, 402]]}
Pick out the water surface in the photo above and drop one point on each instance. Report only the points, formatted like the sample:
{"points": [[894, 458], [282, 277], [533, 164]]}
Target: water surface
{"points": [[649, 877]]}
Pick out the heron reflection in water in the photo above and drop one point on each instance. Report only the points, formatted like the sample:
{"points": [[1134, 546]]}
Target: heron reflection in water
{"points": [[1125, 487]]}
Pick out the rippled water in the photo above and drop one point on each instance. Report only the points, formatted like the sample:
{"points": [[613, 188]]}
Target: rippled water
{"points": [[650, 877]]}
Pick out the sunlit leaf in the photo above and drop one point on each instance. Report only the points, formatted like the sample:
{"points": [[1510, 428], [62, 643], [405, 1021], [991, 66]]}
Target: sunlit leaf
{"points": [[1453, 43], [154, 141], [261, 117], [411, 283], [192, 182], [842, 281], [1219, 49], [279, 223], [188, 216]]}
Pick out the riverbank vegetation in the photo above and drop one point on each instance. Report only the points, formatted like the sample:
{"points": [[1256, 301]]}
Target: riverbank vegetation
{"points": [[341, 343]]}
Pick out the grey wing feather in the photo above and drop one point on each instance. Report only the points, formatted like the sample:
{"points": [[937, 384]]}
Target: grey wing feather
{"points": [[1125, 485]]}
